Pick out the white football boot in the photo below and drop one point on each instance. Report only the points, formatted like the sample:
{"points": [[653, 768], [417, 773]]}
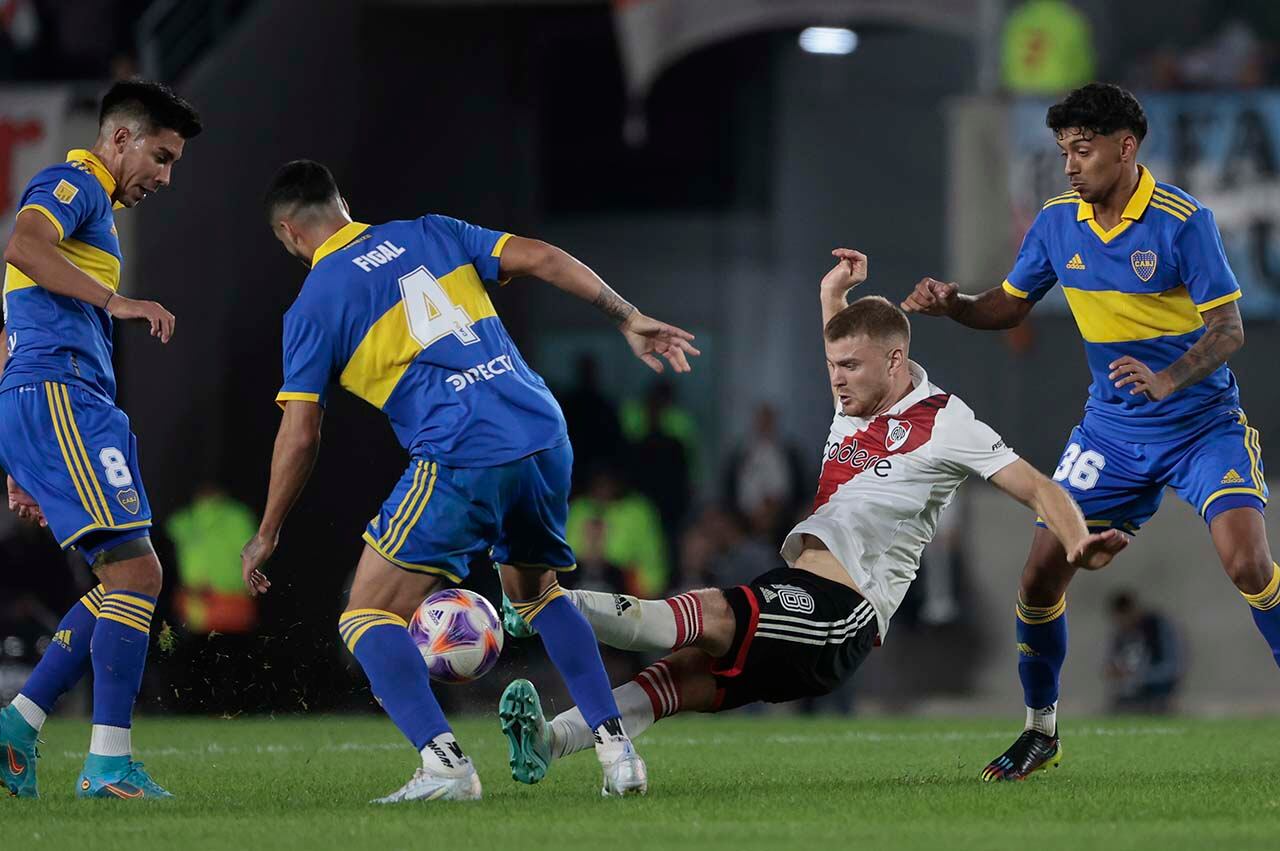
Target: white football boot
{"points": [[626, 775], [424, 786]]}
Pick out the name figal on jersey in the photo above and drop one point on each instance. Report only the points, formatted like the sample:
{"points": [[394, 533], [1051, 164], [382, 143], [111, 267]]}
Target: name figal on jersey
{"points": [[384, 253]]}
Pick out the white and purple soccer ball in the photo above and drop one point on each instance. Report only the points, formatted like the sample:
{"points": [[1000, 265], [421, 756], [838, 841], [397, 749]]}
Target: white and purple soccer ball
{"points": [[459, 635]]}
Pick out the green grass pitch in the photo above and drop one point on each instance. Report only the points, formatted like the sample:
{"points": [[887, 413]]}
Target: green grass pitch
{"points": [[733, 782]]}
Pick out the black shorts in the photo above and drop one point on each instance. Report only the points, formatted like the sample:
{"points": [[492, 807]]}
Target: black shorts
{"points": [[798, 635]]}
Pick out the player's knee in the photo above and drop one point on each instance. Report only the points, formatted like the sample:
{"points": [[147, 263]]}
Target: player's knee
{"points": [[1249, 568], [718, 622], [120, 571]]}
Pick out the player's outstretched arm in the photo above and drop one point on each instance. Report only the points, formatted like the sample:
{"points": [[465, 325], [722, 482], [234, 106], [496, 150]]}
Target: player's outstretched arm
{"points": [[33, 250], [297, 445], [992, 310], [648, 338], [850, 270], [1060, 513]]}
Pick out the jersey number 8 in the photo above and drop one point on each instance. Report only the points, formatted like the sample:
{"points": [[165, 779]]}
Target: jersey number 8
{"points": [[116, 467], [1080, 469], [430, 311]]}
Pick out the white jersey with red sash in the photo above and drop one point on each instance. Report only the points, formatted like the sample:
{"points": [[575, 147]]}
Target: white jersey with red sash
{"points": [[885, 481]]}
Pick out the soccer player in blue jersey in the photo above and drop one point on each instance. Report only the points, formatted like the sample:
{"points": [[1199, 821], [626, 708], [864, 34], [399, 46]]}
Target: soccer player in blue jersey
{"points": [[1144, 272], [69, 451], [397, 314]]}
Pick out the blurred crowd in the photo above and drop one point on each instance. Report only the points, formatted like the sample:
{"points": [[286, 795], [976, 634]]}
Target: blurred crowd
{"points": [[48, 40]]}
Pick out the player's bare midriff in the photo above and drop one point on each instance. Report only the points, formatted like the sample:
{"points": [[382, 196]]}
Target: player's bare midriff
{"points": [[815, 558]]}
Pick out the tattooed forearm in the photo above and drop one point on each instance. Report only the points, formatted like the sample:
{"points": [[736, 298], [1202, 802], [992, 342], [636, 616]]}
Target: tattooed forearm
{"points": [[1223, 337], [613, 305]]}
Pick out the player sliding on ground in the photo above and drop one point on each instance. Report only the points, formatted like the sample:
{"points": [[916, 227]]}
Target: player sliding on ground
{"points": [[398, 315], [69, 450], [898, 449], [1144, 271]]}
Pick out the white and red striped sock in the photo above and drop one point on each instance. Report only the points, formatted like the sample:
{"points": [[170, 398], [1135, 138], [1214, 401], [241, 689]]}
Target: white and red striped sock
{"points": [[687, 610], [660, 688], [570, 733], [647, 626]]}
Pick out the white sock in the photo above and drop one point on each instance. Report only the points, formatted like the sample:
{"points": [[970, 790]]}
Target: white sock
{"points": [[110, 741], [629, 623], [570, 733], [32, 714], [443, 756], [1043, 720]]}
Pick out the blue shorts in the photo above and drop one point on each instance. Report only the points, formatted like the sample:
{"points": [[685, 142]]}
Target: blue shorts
{"points": [[1119, 483], [438, 518], [73, 451]]}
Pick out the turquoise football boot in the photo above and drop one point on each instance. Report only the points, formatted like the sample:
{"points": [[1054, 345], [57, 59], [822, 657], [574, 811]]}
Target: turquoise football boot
{"points": [[514, 625], [17, 755], [528, 736], [118, 777]]}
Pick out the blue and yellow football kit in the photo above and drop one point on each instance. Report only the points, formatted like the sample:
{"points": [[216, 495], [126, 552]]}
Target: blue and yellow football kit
{"points": [[398, 315], [67, 444], [1139, 289]]}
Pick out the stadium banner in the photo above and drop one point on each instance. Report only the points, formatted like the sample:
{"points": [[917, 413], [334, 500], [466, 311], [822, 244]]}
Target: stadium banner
{"points": [[1223, 148], [31, 136]]}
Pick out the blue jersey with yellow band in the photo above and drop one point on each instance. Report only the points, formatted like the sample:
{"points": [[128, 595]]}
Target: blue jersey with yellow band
{"points": [[53, 337], [1138, 289], [397, 314]]}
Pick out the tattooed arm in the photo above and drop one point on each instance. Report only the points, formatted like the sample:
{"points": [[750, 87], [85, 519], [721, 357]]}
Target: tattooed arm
{"points": [[1223, 337], [648, 338]]}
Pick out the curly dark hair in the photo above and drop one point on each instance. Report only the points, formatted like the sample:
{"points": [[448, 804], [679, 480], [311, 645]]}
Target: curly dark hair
{"points": [[1098, 109]]}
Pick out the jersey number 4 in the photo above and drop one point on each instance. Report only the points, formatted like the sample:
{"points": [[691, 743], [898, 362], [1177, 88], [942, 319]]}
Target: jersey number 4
{"points": [[1080, 469], [430, 311]]}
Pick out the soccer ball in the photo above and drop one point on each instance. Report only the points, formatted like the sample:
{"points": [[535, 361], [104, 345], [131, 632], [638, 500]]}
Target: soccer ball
{"points": [[459, 635]]}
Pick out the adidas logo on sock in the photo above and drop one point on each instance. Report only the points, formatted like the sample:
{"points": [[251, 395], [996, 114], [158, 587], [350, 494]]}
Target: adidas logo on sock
{"points": [[1026, 650], [1075, 262], [62, 638], [1232, 478]]}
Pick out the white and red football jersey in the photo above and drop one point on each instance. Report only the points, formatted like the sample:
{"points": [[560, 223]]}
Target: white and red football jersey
{"points": [[885, 481]]}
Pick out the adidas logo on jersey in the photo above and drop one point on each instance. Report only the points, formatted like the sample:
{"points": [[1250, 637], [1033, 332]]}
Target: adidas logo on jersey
{"points": [[1232, 478], [768, 595], [62, 638], [1075, 262]]}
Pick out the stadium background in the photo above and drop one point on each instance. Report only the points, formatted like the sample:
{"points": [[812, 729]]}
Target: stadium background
{"points": [[711, 198]]}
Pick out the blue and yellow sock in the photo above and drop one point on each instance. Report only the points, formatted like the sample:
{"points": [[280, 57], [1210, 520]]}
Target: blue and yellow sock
{"points": [[572, 646], [67, 659], [1265, 606], [381, 644], [119, 651], [1042, 648]]}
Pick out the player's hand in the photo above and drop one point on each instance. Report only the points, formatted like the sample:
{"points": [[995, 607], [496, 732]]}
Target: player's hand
{"points": [[252, 558], [849, 271], [152, 312], [1136, 375], [1096, 551], [24, 505], [649, 339], [932, 298]]}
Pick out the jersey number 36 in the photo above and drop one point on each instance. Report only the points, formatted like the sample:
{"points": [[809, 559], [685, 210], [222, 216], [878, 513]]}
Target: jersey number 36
{"points": [[1079, 469]]}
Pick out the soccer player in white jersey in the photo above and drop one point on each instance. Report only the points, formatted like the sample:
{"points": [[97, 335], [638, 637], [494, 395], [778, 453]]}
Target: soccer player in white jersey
{"points": [[899, 447]]}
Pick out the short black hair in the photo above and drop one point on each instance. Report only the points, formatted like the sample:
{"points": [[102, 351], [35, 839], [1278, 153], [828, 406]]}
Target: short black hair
{"points": [[155, 104], [1098, 109], [300, 183]]}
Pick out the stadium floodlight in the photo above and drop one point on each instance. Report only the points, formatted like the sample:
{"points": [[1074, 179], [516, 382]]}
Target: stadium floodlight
{"points": [[834, 41]]}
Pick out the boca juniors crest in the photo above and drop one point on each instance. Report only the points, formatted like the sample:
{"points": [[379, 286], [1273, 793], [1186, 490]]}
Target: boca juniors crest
{"points": [[898, 434], [128, 499], [1144, 264]]}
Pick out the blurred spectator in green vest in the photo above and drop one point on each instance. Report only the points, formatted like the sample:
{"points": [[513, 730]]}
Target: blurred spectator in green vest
{"points": [[622, 528], [207, 536]]}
